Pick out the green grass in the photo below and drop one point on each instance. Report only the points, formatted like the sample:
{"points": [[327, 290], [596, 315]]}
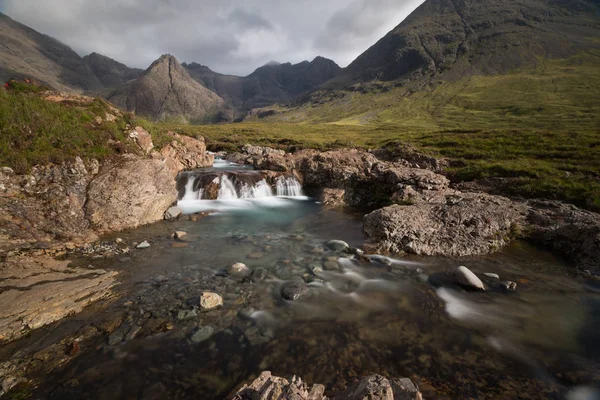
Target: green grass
{"points": [[35, 131], [539, 126]]}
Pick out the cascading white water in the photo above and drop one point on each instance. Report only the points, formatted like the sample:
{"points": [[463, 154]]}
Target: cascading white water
{"points": [[288, 187], [260, 189], [189, 190], [227, 189]]}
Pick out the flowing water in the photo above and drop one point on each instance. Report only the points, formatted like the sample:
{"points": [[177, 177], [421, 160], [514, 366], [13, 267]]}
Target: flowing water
{"points": [[390, 316]]}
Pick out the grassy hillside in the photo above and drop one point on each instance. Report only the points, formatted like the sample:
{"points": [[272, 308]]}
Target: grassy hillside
{"points": [[540, 126], [37, 131]]}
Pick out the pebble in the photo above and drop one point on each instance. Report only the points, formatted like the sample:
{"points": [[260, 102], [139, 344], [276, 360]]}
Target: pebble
{"points": [[337, 245], [178, 234], [210, 300], [184, 315], [259, 274], [238, 269], [143, 245], [293, 290], [202, 334], [331, 266], [491, 275], [255, 255], [509, 286]]}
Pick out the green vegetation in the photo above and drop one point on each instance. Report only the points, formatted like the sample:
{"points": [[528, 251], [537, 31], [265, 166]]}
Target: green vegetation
{"points": [[36, 131], [539, 127]]}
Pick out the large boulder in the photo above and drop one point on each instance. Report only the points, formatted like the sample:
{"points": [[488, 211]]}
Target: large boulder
{"points": [[184, 152], [469, 225], [335, 169], [568, 230], [130, 193]]}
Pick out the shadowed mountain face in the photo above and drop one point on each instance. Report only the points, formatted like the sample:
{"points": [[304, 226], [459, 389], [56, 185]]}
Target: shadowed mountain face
{"points": [[458, 37], [269, 84], [111, 73], [166, 91], [27, 53]]}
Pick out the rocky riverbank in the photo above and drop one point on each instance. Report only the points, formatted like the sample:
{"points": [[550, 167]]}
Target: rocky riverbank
{"points": [[414, 209]]}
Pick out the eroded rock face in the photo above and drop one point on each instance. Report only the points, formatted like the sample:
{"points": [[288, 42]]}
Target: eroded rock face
{"points": [[38, 291], [473, 224], [130, 193], [185, 152]]}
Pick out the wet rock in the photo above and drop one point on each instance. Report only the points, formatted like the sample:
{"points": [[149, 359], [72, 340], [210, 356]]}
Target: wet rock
{"points": [[380, 260], [133, 332], [259, 274], [337, 245], [178, 234], [238, 269], [184, 315], [331, 266], [491, 275], [246, 313], [116, 337], [256, 255], [423, 278], [267, 387], [173, 213], [463, 276], [332, 198], [203, 333], [293, 290], [209, 300], [509, 286], [143, 245]]}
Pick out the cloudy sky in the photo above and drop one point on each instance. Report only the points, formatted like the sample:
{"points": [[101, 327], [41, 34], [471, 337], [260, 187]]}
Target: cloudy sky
{"points": [[230, 36]]}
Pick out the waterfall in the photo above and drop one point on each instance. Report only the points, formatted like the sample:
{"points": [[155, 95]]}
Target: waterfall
{"points": [[288, 187], [232, 185]]}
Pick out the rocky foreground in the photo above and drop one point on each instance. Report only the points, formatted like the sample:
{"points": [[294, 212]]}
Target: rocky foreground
{"points": [[374, 387]]}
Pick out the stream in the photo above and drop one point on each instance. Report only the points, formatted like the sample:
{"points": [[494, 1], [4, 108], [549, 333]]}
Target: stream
{"points": [[392, 316]]}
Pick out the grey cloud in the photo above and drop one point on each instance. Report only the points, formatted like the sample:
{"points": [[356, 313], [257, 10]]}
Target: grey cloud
{"points": [[230, 36]]}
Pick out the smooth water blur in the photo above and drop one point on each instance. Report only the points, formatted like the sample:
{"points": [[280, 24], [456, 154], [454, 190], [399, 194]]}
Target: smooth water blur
{"points": [[389, 316]]}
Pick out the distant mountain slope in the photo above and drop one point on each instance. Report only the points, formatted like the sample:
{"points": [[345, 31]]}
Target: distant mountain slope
{"points": [[269, 84], [166, 91], [110, 72], [27, 53], [457, 37]]}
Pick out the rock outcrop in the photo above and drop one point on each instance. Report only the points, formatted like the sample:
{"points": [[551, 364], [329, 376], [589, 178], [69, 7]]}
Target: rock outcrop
{"points": [[471, 224], [38, 291], [184, 152], [375, 387], [130, 193]]}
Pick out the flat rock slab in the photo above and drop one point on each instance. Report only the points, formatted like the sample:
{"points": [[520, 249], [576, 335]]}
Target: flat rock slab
{"points": [[38, 291]]}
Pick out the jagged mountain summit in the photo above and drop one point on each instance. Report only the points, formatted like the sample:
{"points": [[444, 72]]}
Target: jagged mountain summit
{"points": [[111, 73], [269, 84], [166, 91], [25, 52], [458, 37]]}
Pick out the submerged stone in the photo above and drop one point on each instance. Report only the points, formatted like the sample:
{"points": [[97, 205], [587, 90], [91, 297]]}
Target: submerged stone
{"points": [[337, 245], [173, 213], [293, 290], [209, 300], [143, 245], [463, 276], [203, 333]]}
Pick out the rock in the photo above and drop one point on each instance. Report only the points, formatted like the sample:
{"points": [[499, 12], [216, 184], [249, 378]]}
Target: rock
{"points": [[116, 337], [491, 275], [209, 300], [337, 245], [178, 234], [238, 269], [509, 286], [203, 333], [463, 276], [133, 333], [128, 193], [173, 213], [331, 266], [256, 255], [293, 290], [184, 315], [267, 387], [36, 291], [332, 198], [405, 389], [477, 224], [185, 153], [246, 313], [142, 138], [374, 387], [259, 274], [143, 245]]}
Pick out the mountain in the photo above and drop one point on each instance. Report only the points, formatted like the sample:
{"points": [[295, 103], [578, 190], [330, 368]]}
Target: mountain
{"points": [[458, 37], [27, 53], [269, 84], [111, 73], [166, 91]]}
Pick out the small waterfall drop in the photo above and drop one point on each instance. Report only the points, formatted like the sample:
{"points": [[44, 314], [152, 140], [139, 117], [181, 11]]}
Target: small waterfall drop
{"points": [[288, 187], [227, 189]]}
